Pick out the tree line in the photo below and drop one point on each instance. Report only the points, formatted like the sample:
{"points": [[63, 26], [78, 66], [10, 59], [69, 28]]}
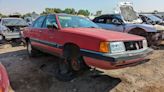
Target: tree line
{"points": [[67, 11], [58, 10]]}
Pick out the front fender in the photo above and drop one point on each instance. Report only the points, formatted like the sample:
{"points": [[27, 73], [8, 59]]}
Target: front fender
{"points": [[147, 28]]}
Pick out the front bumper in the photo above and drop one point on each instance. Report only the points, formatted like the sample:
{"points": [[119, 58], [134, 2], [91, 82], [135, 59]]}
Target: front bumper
{"points": [[115, 61]]}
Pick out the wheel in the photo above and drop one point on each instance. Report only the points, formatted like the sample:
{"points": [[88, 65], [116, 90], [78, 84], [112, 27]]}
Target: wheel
{"points": [[32, 52], [72, 64]]}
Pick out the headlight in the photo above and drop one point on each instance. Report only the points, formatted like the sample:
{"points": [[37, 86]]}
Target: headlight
{"points": [[145, 44], [116, 47]]}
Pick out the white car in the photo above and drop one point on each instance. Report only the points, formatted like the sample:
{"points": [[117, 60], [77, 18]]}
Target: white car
{"points": [[10, 28]]}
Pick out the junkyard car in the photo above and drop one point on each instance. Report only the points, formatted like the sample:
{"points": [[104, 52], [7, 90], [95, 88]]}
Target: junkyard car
{"points": [[4, 80], [10, 28], [127, 20], [115, 22], [81, 43], [155, 21], [151, 19]]}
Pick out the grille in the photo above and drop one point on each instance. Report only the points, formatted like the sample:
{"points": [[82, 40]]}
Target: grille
{"points": [[133, 45]]}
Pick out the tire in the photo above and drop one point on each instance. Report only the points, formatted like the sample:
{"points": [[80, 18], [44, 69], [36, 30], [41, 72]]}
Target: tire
{"points": [[72, 64], [32, 52]]}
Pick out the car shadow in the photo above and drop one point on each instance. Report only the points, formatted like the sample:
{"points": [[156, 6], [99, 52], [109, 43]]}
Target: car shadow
{"points": [[89, 81], [37, 75], [11, 44]]}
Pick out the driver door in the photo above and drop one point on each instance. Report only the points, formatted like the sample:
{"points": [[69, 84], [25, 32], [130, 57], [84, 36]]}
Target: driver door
{"points": [[50, 35]]}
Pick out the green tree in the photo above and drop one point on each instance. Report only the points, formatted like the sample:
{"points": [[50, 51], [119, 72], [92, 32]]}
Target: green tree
{"points": [[83, 12], [69, 11], [51, 11], [27, 15]]}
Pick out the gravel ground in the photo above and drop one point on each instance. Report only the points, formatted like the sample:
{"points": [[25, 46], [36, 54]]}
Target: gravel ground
{"points": [[36, 75]]}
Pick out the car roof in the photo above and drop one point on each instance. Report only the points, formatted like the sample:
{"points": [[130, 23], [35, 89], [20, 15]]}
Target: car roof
{"points": [[58, 14], [108, 15]]}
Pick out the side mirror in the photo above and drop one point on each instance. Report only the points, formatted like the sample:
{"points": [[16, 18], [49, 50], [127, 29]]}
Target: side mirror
{"points": [[117, 22], [52, 26]]}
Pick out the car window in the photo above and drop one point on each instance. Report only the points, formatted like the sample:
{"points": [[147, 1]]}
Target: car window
{"points": [[109, 20], [50, 20], [105, 20], [38, 23], [143, 18], [153, 18], [68, 21], [14, 21], [100, 19]]}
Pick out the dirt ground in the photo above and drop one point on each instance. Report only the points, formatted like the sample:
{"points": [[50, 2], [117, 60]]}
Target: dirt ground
{"points": [[37, 75]]}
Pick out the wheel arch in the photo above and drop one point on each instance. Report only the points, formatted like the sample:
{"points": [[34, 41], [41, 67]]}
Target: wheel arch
{"points": [[137, 31], [71, 44]]}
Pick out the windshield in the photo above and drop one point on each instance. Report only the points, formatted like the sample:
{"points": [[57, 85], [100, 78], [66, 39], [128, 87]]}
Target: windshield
{"points": [[13, 22], [153, 18], [67, 21]]}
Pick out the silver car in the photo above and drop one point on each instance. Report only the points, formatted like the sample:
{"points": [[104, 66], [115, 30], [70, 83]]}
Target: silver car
{"points": [[10, 28]]}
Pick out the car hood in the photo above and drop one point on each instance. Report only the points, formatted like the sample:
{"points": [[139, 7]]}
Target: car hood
{"points": [[102, 34], [128, 13], [148, 28]]}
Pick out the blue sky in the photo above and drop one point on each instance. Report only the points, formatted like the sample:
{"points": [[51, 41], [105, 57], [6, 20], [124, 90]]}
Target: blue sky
{"points": [[24, 6]]}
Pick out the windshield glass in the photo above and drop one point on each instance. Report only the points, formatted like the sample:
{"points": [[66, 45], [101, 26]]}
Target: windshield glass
{"points": [[153, 18], [67, 21], [14, 22]]}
